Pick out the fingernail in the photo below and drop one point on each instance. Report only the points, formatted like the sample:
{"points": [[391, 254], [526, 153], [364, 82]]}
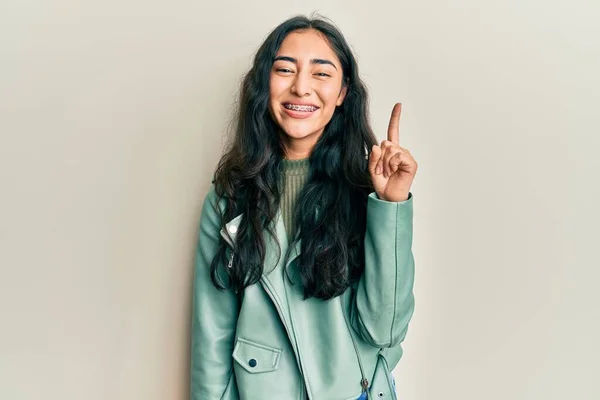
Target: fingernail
{"points": [[378, 169]]}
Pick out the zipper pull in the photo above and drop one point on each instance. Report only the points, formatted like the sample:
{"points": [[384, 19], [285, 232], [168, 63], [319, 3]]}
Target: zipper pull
{"points": [[365, 384], [230, 260]]}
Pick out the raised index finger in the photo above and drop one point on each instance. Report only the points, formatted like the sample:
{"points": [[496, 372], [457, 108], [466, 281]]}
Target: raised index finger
{"points": [[394, 126]]}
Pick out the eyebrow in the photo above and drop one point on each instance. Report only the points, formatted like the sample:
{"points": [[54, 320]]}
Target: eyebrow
{"points": [[312, 61]]}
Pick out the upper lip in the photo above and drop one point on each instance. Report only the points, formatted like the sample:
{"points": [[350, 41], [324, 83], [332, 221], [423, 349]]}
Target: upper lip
{"points": [[298, 103]]}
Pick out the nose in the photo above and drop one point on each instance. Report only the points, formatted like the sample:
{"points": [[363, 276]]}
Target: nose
{"points": [[301, 86]]}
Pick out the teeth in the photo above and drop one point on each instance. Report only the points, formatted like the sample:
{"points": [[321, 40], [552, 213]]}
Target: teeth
{"points": [[296, 107]]}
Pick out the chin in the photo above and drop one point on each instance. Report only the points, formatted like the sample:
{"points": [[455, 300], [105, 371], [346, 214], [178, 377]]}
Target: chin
{"points": [[298, 133]]}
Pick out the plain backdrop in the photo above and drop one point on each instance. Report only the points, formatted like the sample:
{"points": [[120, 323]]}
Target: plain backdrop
{"points": [[113, 115]]}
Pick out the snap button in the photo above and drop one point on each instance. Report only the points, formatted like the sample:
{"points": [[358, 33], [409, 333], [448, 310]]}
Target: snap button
{"points": [[252, 362], [232, 229], [380, 394]]}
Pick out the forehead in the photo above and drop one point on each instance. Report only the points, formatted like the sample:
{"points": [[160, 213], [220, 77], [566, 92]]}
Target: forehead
{"points": [[306, 45]]}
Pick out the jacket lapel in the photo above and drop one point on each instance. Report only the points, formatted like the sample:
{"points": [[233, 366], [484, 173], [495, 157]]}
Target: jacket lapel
{"points": [[229, 233], [272, 280]]}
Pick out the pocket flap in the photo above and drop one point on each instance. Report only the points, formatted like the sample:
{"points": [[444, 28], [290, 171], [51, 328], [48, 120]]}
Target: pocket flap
{"points": [[255, 358]]}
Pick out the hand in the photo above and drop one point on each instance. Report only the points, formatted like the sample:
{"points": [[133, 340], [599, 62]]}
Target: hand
{"points": [[392, 167]]}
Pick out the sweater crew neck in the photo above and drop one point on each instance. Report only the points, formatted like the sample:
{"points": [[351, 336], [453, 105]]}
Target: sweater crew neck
{"points": [[295, 167]]}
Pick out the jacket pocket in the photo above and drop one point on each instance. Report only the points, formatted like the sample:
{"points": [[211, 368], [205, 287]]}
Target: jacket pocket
{"points": [[256, 358]]}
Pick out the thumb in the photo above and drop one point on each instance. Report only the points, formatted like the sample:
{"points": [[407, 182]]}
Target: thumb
{"points": [[374, 158]]}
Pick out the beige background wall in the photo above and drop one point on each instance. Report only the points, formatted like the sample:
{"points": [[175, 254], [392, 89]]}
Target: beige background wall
{"points": [[112, 116]]}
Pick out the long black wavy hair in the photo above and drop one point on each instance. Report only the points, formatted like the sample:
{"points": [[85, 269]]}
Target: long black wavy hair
{"points": [[249, 177]]}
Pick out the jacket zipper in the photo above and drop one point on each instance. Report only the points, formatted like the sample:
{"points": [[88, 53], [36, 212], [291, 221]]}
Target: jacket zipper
{"points": [[231, 260], [364, 382], [294, 348], [229, 241]]}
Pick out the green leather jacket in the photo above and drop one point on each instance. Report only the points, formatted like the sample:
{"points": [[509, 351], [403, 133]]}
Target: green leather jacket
{"points": [[272, 344]]}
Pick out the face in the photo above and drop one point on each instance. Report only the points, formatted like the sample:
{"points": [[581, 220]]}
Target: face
{"points": [[305, 88]]}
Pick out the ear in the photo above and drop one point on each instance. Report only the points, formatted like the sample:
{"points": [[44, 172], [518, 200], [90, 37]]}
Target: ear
{"points": [[342, 95]]}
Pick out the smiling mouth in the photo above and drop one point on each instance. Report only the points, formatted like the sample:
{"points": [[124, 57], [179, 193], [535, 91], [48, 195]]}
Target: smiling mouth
{"points": [[300, 108]]}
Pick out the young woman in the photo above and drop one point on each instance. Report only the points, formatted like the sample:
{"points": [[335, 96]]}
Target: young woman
{"points": [[304, 271]]}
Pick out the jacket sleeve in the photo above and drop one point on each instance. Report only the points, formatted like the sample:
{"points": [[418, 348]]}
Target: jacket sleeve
{"points": [[214, 317], [383, 301]]}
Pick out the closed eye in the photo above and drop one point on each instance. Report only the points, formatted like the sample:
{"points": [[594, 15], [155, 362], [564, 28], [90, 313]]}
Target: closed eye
{"points": [[287, 70]]}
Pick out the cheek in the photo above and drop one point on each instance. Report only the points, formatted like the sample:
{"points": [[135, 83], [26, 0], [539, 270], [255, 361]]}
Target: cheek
{"points": [[276, 87], [330, 95]]}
